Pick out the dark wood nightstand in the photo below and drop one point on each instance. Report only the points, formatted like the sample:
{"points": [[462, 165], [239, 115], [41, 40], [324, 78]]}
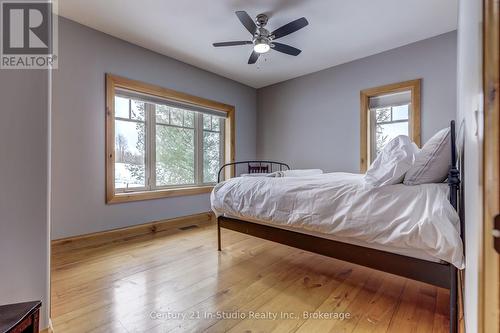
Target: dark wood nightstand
{"points": [[20, 317]]}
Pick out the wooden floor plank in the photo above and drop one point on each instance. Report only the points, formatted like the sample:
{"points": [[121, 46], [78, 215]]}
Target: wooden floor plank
{"points": [[381, 307], [174, 281], [339, 301], [123, 285]]}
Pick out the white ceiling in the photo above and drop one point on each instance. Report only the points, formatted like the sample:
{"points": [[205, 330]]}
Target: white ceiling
{"points": [[339, 30]]}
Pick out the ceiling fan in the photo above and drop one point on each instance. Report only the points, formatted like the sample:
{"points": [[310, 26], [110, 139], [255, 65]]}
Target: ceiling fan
{"points": [[262, 39]]}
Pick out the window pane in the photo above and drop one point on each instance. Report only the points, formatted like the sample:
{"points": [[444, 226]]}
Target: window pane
{"points": [[383, 115], [174, 156], [207, 122], [188, 118], [138, 109], [176, 116], [215, 123], [211, 156], [386, 132], [121, 107], [162, 114], [400, 112], [129, 154]]}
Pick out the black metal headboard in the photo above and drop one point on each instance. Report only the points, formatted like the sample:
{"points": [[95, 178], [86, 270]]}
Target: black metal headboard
{"points": [[259, 166], [454, 180], [453, 173]]}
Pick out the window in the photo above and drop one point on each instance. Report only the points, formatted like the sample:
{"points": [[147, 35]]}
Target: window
{"points": [[163, 143], [387, 112], [390, 118]]}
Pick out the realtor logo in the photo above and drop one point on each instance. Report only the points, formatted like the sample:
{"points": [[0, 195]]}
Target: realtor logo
{"points": [[28, 34]]}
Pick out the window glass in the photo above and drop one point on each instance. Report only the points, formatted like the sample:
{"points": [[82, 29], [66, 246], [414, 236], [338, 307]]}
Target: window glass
{"points": [[215, 123], [400, 112], [207, 122], [129, 154], [162, 114], [175, 153], [137, 110], [176, 117], [122, 107], [188, 118], [211, 156], [389, 123], [383, 115], [211, 147], [158, 146]]}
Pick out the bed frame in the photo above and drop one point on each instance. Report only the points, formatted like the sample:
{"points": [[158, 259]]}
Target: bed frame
{"points": [[443, 275]]}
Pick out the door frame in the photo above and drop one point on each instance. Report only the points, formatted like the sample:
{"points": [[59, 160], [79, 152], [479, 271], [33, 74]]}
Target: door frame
{"points": [[489, 274]]}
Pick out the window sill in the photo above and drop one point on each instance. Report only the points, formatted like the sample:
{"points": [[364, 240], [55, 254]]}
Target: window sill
{"points": [[158, 194]]}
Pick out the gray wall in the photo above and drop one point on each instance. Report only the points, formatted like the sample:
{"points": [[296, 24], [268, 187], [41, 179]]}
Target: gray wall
{"points": [[313, 121], [78, 127], [24, 252]]}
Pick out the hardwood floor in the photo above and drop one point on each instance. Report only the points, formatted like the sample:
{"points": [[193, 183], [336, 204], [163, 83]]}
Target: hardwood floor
{"points": [[147, 283]]}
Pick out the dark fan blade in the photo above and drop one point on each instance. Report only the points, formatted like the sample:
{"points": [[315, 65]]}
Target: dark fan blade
{"points": [[242, 42], [253, 58], [247, 21], [286, 49], [290, 27]]}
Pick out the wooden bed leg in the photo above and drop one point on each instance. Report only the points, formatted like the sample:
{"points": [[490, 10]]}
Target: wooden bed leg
{"points": [[218, 236], [453, 300]]}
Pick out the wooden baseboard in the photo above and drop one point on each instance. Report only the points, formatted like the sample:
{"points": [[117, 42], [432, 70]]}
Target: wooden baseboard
{"points": [[137, 230]]}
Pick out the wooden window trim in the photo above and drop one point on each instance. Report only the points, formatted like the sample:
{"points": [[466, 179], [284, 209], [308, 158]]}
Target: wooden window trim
{"points": [[415, 87], [112, 83]]}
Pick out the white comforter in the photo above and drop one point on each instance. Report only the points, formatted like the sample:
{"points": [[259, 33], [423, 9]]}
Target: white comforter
{"points": [[341, 204]]}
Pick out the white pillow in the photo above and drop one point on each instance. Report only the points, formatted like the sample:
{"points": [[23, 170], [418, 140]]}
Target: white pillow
{"points": [[392, 163], [432, 162]]}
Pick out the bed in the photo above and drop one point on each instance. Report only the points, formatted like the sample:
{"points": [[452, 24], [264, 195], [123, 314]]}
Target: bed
{"points": [[410, 231]]}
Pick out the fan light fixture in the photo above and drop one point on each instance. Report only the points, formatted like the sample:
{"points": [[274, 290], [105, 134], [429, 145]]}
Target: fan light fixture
{"points": [[261, 48], [263, 40], [261, 44]]}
